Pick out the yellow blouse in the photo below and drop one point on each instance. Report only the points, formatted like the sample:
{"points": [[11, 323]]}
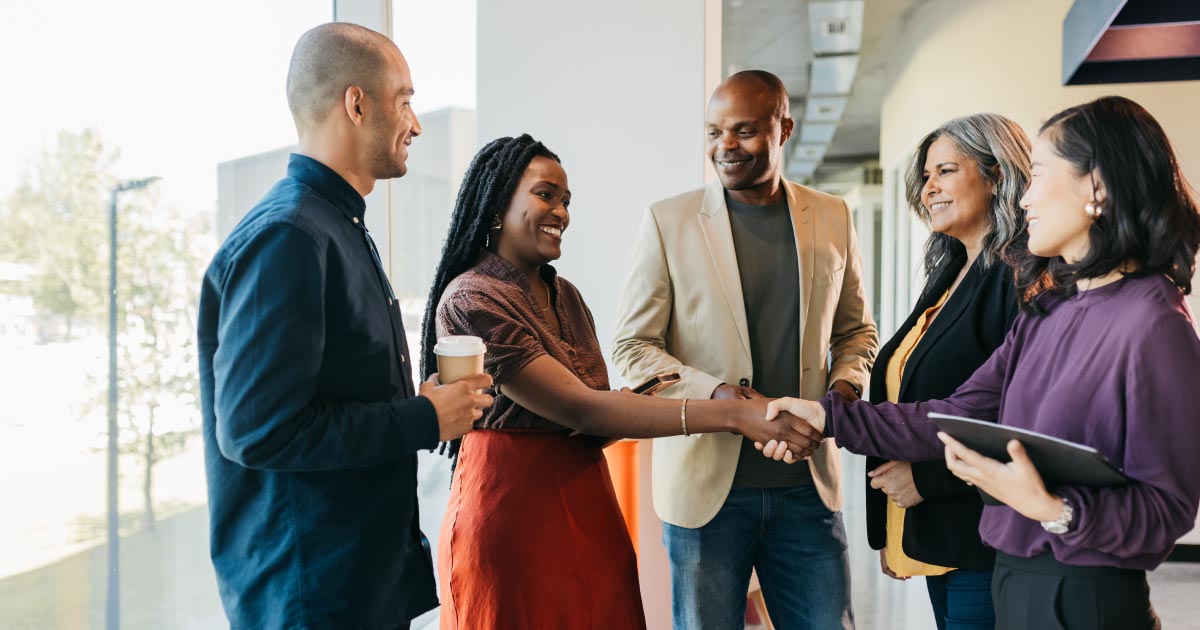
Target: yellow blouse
{"points": [[898, 562]]}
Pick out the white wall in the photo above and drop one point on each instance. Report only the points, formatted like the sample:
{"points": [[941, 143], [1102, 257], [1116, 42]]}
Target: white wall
{"points": [[618, 90], [957, 58]]}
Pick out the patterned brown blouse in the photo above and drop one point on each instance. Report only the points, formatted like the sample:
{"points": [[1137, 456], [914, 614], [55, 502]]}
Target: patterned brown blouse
{"points": [[494, 302]]}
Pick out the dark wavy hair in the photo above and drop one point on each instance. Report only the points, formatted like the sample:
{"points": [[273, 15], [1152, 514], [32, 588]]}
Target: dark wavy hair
{"points": [[487, 188], [1150, 215], [1000, 149]]}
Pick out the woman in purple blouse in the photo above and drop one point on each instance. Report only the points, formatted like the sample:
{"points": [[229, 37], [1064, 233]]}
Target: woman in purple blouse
{"points": [[1105, 353]]}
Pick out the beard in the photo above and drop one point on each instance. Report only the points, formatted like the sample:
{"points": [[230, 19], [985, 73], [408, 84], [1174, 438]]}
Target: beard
{"points": [[384, 161], [744, 181]]}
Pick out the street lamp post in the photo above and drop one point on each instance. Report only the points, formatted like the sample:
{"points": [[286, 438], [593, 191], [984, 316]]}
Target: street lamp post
{"points": [[112, 608]]}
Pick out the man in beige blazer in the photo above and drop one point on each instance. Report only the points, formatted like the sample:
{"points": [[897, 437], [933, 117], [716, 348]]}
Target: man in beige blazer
{"points": [[749, 285]]}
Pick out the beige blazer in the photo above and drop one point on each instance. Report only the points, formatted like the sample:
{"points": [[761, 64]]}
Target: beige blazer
{"points": [[681, 309]]}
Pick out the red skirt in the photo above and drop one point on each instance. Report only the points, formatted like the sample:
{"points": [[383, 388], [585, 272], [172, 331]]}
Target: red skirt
{"points": [[533, 537]]}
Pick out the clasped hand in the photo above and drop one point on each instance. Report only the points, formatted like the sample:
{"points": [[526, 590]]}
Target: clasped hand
{"points": [[796, 439], [795, 412]]}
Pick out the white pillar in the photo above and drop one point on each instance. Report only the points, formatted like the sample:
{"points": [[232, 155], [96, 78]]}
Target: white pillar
{"points": [[618, 90]]}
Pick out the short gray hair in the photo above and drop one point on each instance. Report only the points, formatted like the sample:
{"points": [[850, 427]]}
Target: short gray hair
{"points": [[1001, 149], [328, 59]]}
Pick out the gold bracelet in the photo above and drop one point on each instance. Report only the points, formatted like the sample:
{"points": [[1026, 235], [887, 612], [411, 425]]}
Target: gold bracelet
{"points": [[683, 416]]}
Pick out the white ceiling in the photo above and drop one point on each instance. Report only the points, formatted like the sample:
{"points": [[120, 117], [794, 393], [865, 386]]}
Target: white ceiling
{"points": [[774, 35]]}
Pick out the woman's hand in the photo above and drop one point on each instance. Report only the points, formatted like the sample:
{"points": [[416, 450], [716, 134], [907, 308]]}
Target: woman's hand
{"points": [[883, 566], [803, 410], [1017, 484], [896, 481]]}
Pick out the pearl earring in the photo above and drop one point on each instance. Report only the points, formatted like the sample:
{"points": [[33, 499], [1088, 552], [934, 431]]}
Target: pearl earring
{"points": [[1092, 209]]}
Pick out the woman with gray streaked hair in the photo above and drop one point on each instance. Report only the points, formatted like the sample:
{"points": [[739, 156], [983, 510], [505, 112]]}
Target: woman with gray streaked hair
{"points": [[965, 182]]}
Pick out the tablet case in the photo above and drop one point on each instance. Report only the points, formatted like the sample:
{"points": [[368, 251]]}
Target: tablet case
{"points": [[1060, 462]]}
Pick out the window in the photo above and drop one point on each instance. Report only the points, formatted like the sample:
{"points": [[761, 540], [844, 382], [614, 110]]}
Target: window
{"points": [[99, 93]]}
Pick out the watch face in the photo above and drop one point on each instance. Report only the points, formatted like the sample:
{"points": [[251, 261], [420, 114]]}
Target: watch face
{"points": [[1054, 527]]}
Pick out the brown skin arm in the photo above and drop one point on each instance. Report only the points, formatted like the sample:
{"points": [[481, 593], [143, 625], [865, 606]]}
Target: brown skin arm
{"points": [[550, 390], [845, 389], [725, 391]]}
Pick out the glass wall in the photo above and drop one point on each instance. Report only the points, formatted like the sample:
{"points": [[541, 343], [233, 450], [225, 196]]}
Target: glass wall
{"points": [[97, 93]]}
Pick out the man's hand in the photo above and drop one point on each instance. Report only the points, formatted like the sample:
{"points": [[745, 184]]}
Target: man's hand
{"points": [[459, 404], [896, 481], [805, 410], [845, 389], [725, 391], [796, 438]]}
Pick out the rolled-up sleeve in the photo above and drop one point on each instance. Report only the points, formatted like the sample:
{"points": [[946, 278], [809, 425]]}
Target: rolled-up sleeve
{"points": [[511, 343]]}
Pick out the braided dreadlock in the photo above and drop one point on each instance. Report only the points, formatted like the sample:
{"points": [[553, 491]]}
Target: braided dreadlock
{"points": [[486, 191]]}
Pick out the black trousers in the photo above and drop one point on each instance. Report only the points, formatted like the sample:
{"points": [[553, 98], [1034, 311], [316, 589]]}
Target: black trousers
{"points": [[1041, 593]]}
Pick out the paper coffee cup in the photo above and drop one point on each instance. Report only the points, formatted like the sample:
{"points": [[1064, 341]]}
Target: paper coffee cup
{"points": [[459, 356]]}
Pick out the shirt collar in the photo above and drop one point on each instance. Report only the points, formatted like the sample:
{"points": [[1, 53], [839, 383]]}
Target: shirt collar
{"points": [[328, 184]]}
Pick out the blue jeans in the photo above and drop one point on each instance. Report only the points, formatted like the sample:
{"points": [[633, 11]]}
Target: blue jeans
{"points": [[962, 600], [797, 545]]}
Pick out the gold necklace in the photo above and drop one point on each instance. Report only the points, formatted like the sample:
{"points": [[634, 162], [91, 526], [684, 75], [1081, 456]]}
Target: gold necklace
{"points": [[543, 283]]}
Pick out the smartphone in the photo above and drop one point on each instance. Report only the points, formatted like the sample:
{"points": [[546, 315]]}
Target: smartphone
{"points": [[657, 383]]}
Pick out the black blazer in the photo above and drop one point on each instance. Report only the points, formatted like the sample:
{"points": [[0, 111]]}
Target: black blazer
{"points": [[944, 528]]}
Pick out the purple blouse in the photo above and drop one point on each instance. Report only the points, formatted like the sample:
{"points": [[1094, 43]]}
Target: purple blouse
{"points": [[1116, 368]]}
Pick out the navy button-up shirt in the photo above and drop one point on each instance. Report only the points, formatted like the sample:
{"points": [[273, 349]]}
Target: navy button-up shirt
{"points": [[311, 421]]}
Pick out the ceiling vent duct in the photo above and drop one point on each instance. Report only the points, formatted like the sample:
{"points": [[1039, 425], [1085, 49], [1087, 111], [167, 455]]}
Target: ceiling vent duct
{"points": [[835, 27]]}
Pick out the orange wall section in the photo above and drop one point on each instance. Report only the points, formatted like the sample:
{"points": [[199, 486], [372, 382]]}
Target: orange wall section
{"points": [[623, 467]]}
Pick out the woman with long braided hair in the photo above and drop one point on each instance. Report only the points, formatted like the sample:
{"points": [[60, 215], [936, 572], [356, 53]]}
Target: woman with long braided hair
{"points": [[533, 536]]}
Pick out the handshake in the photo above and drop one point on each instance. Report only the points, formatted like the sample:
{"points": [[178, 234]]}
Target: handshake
{"points": [[784, 429]]}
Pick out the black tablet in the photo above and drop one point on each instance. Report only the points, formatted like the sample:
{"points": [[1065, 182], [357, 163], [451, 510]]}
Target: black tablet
{"points": [[1058, 461]]}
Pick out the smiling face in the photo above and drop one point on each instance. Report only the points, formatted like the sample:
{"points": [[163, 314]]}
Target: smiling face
{"points": [[1054, 204], [532, 226], [744, 135], [955, 193], [391, 121]]}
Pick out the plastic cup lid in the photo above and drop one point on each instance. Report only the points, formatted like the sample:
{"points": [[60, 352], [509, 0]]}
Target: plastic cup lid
{"points": [[460, 346]]}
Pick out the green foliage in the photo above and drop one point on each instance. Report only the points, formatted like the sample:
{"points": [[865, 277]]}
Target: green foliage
{"points": [[57, 220]]}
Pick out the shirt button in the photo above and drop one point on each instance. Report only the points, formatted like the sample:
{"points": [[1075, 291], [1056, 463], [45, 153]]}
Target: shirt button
{"points": [[402, 359], [389, 301], [354, 219], [744, 382]]}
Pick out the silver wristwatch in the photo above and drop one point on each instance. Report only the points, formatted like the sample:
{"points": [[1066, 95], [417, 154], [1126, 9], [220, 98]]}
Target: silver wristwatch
{"points": [[1063, 522]]}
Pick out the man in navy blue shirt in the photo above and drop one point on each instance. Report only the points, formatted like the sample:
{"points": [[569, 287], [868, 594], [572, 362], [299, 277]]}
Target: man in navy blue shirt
{"points": [[311, 421]]}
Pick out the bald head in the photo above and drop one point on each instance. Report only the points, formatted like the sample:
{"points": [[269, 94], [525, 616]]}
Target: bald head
{"points": [[327, 60], [746, 124], [756, 88]]}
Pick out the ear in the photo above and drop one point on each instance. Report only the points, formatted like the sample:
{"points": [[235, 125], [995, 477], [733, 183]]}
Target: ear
{"points": [[354, 102], [786, 125], [1101, 191]]}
